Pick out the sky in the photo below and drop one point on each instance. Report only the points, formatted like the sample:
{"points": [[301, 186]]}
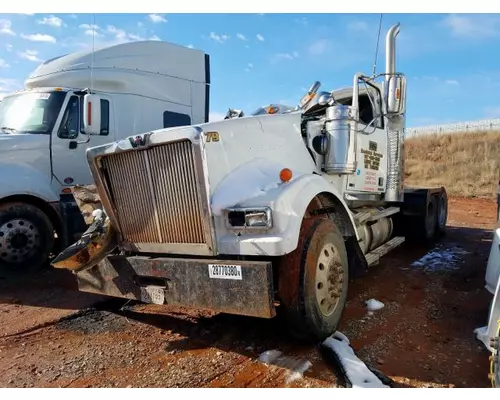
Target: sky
{"points": [[452, 61]]}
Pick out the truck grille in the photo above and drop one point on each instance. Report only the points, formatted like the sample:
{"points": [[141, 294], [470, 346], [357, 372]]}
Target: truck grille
{"points": [[156, 194]]}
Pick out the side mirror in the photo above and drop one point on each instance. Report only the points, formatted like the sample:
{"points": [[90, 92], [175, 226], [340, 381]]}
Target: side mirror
{"points": [[395, 95], [92, 114]]}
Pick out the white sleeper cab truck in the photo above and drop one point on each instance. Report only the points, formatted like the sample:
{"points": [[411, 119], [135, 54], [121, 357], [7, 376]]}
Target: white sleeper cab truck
{"points": [[69, 104], [258, 215]]}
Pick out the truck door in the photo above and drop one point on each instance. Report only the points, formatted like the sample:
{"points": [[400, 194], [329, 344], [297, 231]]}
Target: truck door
{"points": [[69, 162]]}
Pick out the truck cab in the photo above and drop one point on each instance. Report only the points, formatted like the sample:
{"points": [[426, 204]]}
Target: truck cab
{"points": [[46, 129], [256, 215]]}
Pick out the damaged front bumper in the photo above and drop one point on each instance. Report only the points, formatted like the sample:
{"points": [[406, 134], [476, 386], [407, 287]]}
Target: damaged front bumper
{"points": [[233, 287]]}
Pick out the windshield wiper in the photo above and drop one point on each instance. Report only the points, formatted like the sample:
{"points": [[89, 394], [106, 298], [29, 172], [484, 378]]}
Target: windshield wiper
{"points": [[6, 128]]}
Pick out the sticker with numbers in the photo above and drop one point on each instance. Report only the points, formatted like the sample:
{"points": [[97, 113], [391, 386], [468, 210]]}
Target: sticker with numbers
{"points": [[218, 271]]}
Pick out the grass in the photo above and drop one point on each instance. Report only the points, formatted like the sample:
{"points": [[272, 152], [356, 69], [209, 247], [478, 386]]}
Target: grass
{"points": [[466, 164]]}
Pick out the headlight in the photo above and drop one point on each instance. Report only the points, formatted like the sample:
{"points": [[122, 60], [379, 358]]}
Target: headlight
{"points": [[249, 218]]}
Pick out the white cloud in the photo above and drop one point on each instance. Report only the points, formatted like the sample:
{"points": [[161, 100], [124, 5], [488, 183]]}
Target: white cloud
{"points": [[39, 37], [319, 47], [90, 32], [259, 37], [52, 20], [241, 36], [119, 33], [3, 63], [358, 26], [249, 67], [6, 27], [218, 38], [190, 46], [285, 56], [215, 116], [156, 18], [451, 82], [89, 26], [8, 47], [474, 26], [8, 86], [30, 55]]}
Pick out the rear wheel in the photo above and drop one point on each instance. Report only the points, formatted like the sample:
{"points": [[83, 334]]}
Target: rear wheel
{"points": [[442, 213], [313, 281], [26, 238]]}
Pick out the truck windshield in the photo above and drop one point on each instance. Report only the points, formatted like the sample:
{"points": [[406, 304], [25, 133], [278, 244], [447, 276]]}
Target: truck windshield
{"points": [[30, 112]]}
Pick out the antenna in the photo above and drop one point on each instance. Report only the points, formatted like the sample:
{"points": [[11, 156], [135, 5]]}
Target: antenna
{"points": [[376, 49], [93, 49]]}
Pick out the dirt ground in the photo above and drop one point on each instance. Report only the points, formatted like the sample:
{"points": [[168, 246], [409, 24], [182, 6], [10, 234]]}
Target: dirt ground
{"points": [[53, 336]]}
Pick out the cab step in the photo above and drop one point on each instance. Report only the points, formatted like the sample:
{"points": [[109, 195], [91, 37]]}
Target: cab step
{"points": [[373, 257]]}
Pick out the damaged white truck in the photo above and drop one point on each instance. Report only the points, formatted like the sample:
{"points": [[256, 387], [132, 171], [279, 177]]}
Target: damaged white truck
{"points": [[258, 215]]}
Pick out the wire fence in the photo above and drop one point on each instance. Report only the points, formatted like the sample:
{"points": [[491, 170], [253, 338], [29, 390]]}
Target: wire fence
{"points": [[459, 127]]}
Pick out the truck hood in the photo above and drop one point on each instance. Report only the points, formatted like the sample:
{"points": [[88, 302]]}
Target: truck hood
{"points": [[23, 142]]}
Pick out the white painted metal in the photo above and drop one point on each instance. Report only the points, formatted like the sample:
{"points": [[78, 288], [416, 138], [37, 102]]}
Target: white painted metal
{"points": [[140, 80]]}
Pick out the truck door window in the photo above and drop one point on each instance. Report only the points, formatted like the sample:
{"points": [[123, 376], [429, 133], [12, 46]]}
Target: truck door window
{"points": [[71, 120], [173, 119]]}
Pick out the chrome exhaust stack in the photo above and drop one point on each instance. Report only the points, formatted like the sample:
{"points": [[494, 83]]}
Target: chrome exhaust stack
{"points": [[395, 175]]}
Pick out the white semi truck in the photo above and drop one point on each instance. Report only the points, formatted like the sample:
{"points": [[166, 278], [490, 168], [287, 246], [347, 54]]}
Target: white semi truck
{"points": [[258, 215], [44, 136]]}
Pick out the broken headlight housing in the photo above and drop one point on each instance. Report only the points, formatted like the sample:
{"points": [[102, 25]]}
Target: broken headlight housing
{"points": [[248, 218]]}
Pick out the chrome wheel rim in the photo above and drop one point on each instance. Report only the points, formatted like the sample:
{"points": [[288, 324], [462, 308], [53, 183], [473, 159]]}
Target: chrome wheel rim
{"points": [[19, 239], [329, 279]]}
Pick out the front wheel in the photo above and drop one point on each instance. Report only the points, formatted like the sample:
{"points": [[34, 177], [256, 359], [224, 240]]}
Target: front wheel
{"points": [[26, 238], [313, 281]]}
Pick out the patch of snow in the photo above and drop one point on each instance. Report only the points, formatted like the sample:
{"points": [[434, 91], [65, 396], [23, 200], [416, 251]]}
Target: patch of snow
{"points": [[374, 305], [298, 372], [269, 356], [482, 335], [441, 258], [355, 370], [296, 366]]}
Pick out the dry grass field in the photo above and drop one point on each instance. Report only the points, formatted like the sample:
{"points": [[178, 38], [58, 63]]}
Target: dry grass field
{"points": [[467, 164]]}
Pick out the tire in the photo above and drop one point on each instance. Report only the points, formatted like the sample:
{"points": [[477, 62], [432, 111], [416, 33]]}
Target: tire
{"points": [[430, 219], [313, 281], [26, 238], [442, 213]]}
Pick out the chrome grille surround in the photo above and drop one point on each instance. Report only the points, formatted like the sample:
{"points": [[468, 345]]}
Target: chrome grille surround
{"points": [[157, 195]]}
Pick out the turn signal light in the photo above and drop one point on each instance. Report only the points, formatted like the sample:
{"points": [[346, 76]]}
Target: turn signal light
{"points": [[286, 175]]}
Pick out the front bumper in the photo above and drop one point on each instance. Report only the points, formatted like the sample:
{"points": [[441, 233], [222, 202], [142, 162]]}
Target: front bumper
{"points": [[245, 288]]}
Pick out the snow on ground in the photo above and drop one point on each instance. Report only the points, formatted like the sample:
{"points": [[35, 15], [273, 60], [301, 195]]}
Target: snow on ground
{"points": [[443, 257], [296, 366], [355, 370], [482, 335], [374, 305]]}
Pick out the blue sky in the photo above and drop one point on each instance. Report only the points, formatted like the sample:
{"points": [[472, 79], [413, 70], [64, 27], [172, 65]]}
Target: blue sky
{"points": [[452, 61]]}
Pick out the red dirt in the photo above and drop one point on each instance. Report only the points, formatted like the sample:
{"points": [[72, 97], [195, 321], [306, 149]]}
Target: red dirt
{"points": [[422, 337]]}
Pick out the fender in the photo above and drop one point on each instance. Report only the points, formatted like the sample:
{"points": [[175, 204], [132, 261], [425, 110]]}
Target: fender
{"points": [[288, 202], [19, 179]]}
